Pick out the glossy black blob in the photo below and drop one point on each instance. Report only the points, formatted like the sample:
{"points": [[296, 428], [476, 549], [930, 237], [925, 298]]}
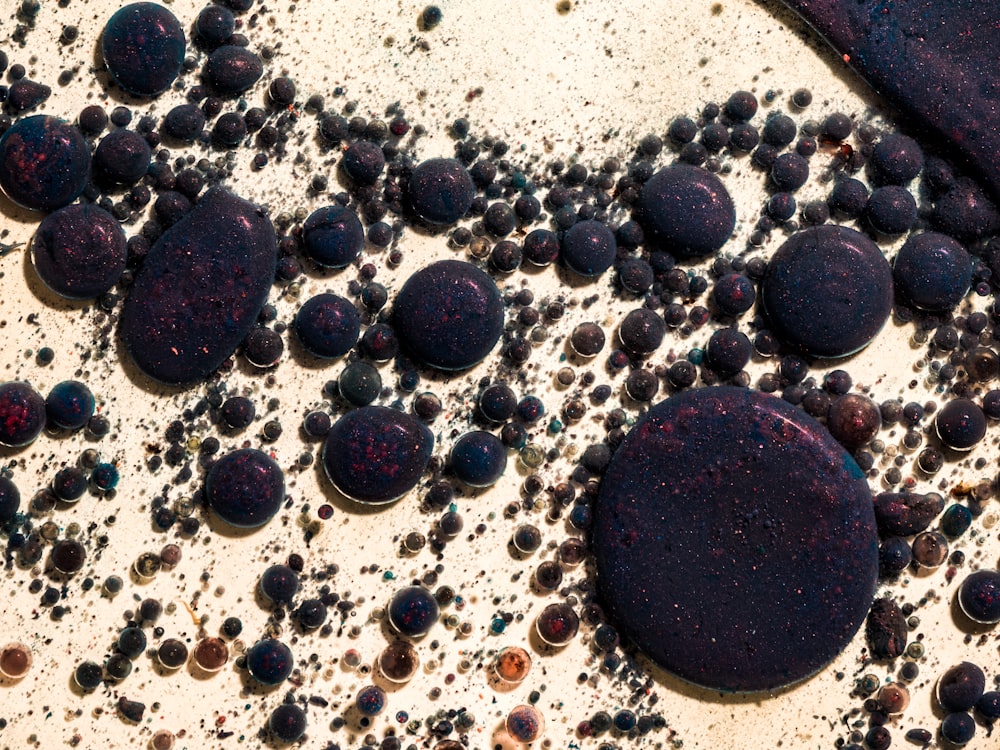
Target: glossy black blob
{"points": [[237, 412], [734, 294], [642, 331], [720, 498], [828, 291], [478, 458], [928, 59], [263, 347], [215, 24], [853, 419], [686, 210], [894, 556], [906, 513], [891, 210], [69, 405], [412, 611], [557, 624], [279, 584], [333, 236], [122, 157], [541, 247], [287, 723], [327, 325], [960, 424], [497, 402], [979, 596], [960, 687], [232, 70], [22, 414], [245, 488], [44, 163], [79, 251], [896, 159], [728, 351], [932, 271], [441, 191], [363, 162], [311, 614], [448, 315], [143, 47], [184, 122], [200, 289], [589, 248], [359, 383], [958, 728], [375, 454], [10, 499], [68, 556], [270, 661]]}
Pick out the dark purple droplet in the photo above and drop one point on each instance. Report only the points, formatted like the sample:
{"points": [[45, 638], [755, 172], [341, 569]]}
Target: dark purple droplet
{"points": [[79, 251], [588, 248], [441, 191], [449, 315], [68, 556], [979, 596], [687, 211], [270, 661], [960, 424], [10, 499], [287, 723], [200, 290], [232, 70], [720, 499], [122, 157], [412, 611], [143, 46], [961, 686], [478, 458], [375, 454], [828, 291], [853, 419], [327, 325], [44, 163], [69, 405], [245, 488], [22, 414], [932, 271], [333, 236]]}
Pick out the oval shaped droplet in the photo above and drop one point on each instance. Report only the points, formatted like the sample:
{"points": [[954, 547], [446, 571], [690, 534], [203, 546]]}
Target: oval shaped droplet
{"points": [[200, 289]]}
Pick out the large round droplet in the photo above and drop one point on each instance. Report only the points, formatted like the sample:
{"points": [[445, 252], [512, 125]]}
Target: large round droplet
{"points": [[375, 454], [828, 291], [245, 488], [449, 315], [143, 47], [44, 163], [735, 540], [686, 210]]}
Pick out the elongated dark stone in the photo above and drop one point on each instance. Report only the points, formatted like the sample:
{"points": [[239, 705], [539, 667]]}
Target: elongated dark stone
{"points": [[886, 630], [200, 289]]}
